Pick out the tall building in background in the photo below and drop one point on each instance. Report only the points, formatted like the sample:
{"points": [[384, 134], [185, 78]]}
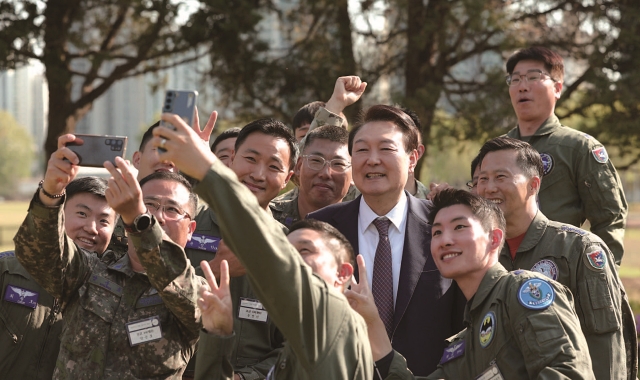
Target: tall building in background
{"points": [[24, 94]]}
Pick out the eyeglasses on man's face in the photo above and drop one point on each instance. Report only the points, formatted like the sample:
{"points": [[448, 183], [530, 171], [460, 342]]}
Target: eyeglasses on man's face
{"points": [[531, 76], [318, 163], [170, 212]]}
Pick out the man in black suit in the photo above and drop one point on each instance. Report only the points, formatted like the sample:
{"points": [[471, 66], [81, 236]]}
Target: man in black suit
{"points": [[389, 227]]}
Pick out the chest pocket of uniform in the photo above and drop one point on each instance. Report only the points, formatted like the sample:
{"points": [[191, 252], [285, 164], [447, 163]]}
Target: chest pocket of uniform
{"points": [[540, 335], [87, 324], [600, 315], [99, 301], [557, 174]]}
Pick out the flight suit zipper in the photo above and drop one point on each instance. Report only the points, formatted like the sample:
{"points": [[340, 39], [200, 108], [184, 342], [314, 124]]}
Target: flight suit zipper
{"points": [[55, 309]]}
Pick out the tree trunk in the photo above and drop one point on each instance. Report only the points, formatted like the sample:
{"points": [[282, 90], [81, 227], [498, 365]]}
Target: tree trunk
{"points": [[423, 74], [346, 52]]}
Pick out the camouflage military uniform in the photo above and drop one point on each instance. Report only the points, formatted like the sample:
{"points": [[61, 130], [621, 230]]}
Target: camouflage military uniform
{"points": [[108, 307], [285, 210], [325, 339], [582, 262], [580, 182], [289, 195], [505, 340], [30, 321]]}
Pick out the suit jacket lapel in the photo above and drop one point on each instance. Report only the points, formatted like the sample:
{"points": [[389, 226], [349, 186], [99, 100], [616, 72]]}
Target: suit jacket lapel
{"points": [[416, 255], [346, 221]]}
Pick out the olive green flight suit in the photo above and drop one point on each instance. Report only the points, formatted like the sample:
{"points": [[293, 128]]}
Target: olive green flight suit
{"points": [[30, 324], [580, 182], [582, 262], [325, 338], [505, 340]]}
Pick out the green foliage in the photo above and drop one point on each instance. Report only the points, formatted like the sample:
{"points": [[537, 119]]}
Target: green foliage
{"points": [[16, 154]]}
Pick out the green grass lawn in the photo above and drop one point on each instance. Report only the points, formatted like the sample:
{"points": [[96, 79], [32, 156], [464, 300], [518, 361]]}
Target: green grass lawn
{"points": [[11, 216]]}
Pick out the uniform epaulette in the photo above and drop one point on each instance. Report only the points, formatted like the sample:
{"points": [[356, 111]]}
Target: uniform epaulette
{"points": [[7, 254], [574, 229]]}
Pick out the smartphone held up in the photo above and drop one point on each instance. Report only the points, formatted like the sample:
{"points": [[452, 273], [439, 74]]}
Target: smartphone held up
{"points": [[94, 150], [181, 103]]}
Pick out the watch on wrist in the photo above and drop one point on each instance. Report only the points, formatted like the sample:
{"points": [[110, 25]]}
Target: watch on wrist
{"points": [[140, 223]]}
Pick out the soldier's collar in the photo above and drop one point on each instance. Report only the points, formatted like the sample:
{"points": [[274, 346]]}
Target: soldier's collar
{"points": [[534, 233], [549, 126], [487, 284], [123, 265]]}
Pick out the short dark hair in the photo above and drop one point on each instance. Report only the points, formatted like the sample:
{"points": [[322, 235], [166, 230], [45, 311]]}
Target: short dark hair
{"points": [[306, 114], [91, 185], [175, 177], [552, 61], [416, 121], [148, 135], [474, 164], [228, 134], [271, 127], [343, 252], [528, 158], [394, 115], [487, 213], [327, 132]]}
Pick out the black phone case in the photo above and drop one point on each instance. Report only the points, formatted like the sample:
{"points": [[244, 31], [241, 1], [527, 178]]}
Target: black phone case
{"points": [[97, 149]]}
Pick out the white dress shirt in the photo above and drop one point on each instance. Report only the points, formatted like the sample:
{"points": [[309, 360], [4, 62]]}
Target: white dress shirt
{"points": [[368, 237]]}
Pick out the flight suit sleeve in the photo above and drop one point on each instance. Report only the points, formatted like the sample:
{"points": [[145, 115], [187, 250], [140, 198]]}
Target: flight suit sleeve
{"points": [[213, 358], [602, 196], [398, 369], [48, 254], [171, 273], [550, 339], [282, 282], [599, 303]]}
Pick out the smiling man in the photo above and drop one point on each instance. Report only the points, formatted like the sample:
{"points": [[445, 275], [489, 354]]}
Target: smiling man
{"points": [[580, 182], [518, 325], [32, 317], [127, 315], [324, 173], [510, 173], [325, 338], [389, 227]]}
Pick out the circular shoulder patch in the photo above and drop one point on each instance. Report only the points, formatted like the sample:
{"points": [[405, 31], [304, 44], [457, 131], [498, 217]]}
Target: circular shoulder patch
{"points": [[487, 329], [600, 154], [536, 294], [547, 268], [547, 163], [597, 258]]}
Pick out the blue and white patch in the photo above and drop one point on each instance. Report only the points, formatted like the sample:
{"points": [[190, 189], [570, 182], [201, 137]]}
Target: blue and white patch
{"points": [[600, 154], [597, 258], [7, 254], [547, 163], [547, 268], [204, 243], [21, 296], [575, 230], [487, 329], [536, 294], [455, 350]]}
